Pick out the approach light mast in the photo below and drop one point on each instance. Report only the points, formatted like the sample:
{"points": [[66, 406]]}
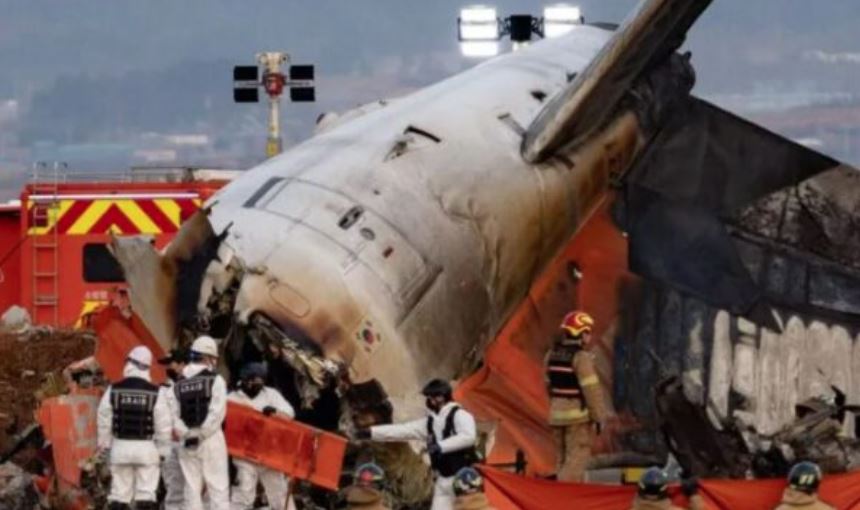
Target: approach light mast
{"points": [[247, 81]]}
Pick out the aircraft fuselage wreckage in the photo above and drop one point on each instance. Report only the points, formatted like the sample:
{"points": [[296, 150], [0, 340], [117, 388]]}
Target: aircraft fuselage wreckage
{"points": [[445, 233]]}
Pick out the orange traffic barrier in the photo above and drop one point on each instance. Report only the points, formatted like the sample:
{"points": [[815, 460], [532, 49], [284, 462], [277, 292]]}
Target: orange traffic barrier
{"points": [[288, 446], [507, 491], [69, 423]]}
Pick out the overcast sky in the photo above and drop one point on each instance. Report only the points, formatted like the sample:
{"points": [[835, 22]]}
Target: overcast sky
{"points": [[42, 39], [363, 49]]}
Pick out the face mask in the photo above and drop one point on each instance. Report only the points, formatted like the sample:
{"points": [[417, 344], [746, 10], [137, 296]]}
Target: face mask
{"points": [[431, 405], [252, 390], [172, 374]]}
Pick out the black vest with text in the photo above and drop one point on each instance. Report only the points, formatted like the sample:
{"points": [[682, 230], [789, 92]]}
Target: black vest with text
{"points": [[194, 395], [132, 401], [561, 377], [447, 464]]}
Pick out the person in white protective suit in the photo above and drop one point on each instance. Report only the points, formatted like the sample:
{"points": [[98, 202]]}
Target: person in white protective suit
{"points": [[199, 405], [134, 424], [253, 393], [450, 434], [171, 472]]}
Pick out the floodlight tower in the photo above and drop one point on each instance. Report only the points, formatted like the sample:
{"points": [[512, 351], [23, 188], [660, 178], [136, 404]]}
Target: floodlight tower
{"points": [[480, 29], [300, 81]]}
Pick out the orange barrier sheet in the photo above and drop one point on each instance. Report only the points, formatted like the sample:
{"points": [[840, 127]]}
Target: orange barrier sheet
{"points": [[293, 448], [69, 423], [509, 388], [507, 491], [117, 335]]}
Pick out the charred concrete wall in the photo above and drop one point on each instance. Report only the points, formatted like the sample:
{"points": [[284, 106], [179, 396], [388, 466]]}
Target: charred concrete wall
{"points": [[733, 365]]}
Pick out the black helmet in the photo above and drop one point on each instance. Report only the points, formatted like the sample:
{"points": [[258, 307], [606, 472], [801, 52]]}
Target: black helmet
{"points": [[468, 481], [369, 475], [252, 370], [653, 484], [437, 388], [805, 477], [177, 355]]}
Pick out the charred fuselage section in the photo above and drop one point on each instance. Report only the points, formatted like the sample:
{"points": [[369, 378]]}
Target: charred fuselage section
{"points": [[206, 291]]}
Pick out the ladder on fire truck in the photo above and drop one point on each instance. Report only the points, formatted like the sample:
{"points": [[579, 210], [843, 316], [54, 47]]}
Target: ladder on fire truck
{"points": [[44, 193]]}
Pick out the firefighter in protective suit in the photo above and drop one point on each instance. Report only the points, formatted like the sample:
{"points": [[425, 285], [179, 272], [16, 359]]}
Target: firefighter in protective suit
{"points": [[802, 491], [577, 408], [449, 432], [199, 405], [253, 393], [469, 490], [366, 491], [652, 493], [134, 424]]}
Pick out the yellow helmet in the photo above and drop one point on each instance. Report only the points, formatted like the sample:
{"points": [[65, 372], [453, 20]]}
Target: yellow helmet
{"points": [[577, 323]]}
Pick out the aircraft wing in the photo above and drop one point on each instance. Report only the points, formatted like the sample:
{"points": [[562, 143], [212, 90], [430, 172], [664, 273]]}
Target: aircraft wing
{"points": [[711, 187], [646, 38]]}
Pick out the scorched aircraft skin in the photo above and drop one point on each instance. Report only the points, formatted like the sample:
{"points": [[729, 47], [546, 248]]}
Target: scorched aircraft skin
{"points": [[396, 244]]}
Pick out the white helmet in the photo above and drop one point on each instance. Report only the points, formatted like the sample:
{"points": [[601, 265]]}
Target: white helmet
{"points": [[206, 346], [141, 355]]}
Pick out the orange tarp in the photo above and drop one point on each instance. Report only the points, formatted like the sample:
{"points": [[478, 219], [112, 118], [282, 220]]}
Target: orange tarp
{"points": [[117, 335], [288, 446], [507, 491], [509, 388]]}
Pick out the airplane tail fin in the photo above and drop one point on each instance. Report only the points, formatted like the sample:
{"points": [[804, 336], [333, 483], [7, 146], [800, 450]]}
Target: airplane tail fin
{"points": [[653, 31]]}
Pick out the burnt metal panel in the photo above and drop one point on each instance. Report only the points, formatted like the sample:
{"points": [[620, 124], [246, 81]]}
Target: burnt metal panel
{"points": [[699, 173], [722, 162], [686, 247], [836, 291]]}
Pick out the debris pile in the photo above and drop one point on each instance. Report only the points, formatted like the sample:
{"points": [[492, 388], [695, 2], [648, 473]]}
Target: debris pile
{"points": [[30, 362], [710, 446], [16, 488]]}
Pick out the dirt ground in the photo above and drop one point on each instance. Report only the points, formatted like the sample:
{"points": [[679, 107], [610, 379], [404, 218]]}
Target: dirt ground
{"points": [[25, 363]]}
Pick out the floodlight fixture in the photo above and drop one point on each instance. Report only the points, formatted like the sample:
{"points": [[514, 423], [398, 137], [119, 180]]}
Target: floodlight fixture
{"points": [[245, 82], [479, 49], [479, 28], [479, 23], [478, 14], [560, 19]]}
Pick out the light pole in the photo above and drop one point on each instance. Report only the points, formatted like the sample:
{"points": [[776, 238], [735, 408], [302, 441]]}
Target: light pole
{"points": [[247, 81], [273, 84]]}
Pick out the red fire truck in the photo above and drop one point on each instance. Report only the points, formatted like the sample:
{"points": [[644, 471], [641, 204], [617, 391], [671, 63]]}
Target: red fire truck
{"points": [[54, 259]]}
